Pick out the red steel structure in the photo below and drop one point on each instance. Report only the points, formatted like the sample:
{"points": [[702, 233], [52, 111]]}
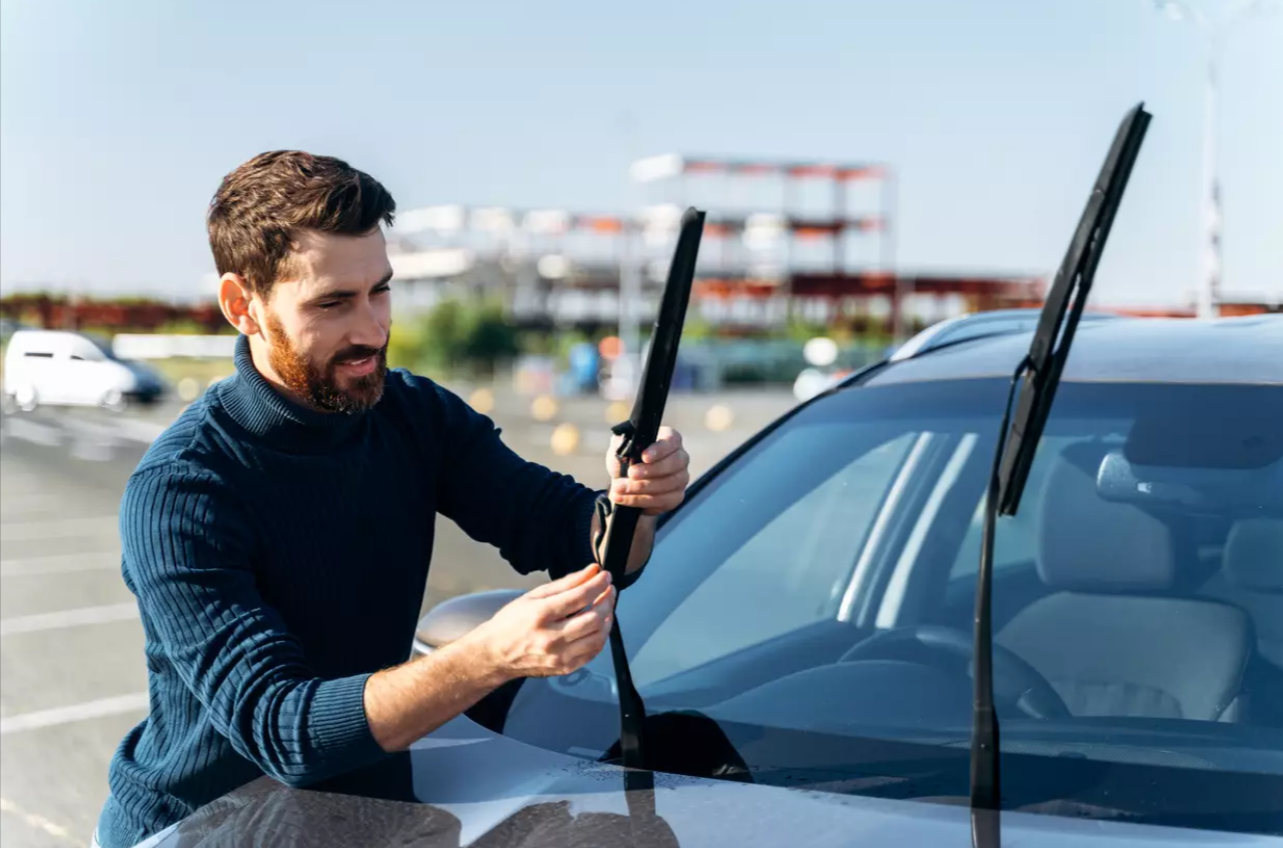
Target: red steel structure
{"points": [[839, 287]]}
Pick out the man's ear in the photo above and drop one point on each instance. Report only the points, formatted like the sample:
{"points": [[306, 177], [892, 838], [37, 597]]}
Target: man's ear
{"points": [[235, 299]]}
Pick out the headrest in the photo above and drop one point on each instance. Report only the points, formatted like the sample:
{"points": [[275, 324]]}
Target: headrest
{"points": [[1253, 557], [1087, 544]]}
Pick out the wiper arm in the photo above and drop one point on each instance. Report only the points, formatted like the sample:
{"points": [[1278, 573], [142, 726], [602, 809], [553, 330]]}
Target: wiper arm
{"points": [[639, 432], [1038, 376]]}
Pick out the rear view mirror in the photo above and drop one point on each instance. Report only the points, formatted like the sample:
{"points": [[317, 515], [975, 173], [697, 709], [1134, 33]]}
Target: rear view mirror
{"points": [[1229, 491], [451, 619]]}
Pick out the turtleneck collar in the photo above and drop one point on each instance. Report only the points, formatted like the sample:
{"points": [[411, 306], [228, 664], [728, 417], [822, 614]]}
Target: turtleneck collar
{"points": [[284, 423]]}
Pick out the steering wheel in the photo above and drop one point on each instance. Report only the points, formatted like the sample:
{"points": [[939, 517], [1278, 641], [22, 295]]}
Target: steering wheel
{"points": [[1015, 682]]}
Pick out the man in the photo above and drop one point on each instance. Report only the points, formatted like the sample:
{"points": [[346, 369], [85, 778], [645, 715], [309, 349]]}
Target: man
{"points": [[277, 535]]}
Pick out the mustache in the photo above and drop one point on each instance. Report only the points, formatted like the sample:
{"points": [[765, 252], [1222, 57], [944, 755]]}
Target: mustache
{"points": [[355, 352]]}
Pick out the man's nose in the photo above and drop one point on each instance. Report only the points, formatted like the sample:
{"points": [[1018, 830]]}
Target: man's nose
{"points": [[371, 328]]}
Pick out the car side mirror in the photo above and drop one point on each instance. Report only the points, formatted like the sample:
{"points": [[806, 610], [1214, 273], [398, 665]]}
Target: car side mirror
{"points": [[452, 619]]}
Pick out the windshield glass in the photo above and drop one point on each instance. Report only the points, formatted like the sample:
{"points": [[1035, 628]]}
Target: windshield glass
{"points": [[101, 345], [815, 600]]}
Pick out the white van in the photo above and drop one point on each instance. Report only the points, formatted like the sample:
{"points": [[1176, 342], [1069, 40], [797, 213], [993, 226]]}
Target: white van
{"points": [[69, 369]]}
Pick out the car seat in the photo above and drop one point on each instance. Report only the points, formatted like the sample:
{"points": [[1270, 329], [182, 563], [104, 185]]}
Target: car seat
{"points": [[1251, 578], [1115, 637]]}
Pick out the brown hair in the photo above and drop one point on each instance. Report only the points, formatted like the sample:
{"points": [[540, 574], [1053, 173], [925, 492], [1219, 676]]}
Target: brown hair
{"points": [[260, 208]]}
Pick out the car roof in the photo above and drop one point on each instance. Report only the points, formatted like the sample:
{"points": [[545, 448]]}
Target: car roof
{"points": [[1245, 349], [38, 333]]}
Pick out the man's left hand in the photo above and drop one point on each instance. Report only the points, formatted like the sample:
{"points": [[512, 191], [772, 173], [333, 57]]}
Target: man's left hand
{"points": [[658, 483]]}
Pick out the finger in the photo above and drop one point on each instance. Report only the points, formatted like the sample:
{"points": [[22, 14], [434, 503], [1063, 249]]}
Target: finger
{"points": [[606, 601], [669, 442], [563, 584], [606, 597], [584, 625], [652, 504], [653, 486], [671, 464], [582, 651], [573, 600]]}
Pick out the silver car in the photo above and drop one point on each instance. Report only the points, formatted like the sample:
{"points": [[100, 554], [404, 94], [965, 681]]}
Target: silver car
{"points": [[802, 637]]}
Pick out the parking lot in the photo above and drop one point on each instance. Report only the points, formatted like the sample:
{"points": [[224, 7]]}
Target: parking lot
{"points": [[72, 675]]}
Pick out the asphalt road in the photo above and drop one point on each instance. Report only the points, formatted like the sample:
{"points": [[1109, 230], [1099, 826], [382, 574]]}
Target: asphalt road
{"points": [[72, 675]]}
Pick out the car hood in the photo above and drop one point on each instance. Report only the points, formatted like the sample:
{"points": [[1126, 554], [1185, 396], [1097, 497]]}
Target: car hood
{"points": [[466, 786]]}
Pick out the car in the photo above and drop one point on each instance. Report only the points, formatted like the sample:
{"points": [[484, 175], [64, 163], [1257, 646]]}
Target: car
{"points": [[801, 638], [63, 368], [971, 325]]}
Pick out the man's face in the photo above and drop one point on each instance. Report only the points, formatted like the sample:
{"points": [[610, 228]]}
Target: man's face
{"points": [[325, 325]]}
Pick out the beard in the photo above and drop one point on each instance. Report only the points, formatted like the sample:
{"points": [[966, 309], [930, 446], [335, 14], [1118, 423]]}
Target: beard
{"points": [[320, 385]]}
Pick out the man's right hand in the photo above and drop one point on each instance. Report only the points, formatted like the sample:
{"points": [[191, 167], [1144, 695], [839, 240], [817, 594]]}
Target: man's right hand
{"points": [[554, 629], [551, 630]]}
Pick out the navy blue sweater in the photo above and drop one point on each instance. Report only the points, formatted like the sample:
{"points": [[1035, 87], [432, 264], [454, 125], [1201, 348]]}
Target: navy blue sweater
{"points": [[279, 556]]}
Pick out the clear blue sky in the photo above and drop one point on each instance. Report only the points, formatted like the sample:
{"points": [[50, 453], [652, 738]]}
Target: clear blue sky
{"points": [[117, 119]]}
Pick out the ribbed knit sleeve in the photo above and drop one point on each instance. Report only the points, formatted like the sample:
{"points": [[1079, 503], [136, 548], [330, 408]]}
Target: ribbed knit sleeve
{"points": [[539, 519], [187, 548]]}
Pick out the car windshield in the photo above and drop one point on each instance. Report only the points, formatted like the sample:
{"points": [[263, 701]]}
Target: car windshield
{"points": [[815, 600], [102, 345]]}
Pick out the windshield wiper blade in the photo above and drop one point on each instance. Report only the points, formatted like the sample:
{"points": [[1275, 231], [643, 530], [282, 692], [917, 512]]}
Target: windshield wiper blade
{"points": [[639, 432], [1038, 376]]}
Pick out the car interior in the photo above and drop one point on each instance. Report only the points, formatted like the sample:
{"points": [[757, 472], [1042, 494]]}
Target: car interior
{"points": [[1138, 610], [1122, 585]]}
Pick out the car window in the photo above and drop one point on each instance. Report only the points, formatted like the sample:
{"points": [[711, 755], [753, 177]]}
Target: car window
{"points": [[91, 350], [792, 570], [1147, 505], [1017, 544]]}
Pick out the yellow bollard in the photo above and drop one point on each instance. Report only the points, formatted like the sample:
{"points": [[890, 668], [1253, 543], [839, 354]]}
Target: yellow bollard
{"points": [[719, 418], [544, 408], [617, 411], [482, 400], [565, 439], [188, 389]]}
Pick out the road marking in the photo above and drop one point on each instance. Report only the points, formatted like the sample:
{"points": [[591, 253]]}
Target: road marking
{"points": [[30, 503], [38, 822], [68, 618], [76, 712], [143, 431], [70, 428], [41, 434], [133, 429], [27, 531], [61, 563]]}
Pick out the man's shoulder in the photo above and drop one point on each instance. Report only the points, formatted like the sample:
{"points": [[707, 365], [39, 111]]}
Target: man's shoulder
{"points": [[182, 484], [189, 446]]}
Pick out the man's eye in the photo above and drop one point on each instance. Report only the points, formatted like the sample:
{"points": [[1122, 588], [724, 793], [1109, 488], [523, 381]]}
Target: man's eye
{"points": [[383, 290], [329, 304]]}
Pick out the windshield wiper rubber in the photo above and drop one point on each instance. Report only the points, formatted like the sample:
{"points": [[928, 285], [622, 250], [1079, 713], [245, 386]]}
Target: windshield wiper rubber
{"points": [[1037, 376], [639, 432]]}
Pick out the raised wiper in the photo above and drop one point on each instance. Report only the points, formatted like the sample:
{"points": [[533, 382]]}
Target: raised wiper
{"points": [[1038, 375], [640, 431]]}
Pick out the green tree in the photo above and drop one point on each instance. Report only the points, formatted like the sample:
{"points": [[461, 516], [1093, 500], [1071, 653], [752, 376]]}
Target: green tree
{"points": [[489, 339], [455, 338]]}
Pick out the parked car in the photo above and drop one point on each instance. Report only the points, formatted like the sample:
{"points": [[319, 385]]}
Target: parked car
{"points": [[802, 639], [61, 368]]}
